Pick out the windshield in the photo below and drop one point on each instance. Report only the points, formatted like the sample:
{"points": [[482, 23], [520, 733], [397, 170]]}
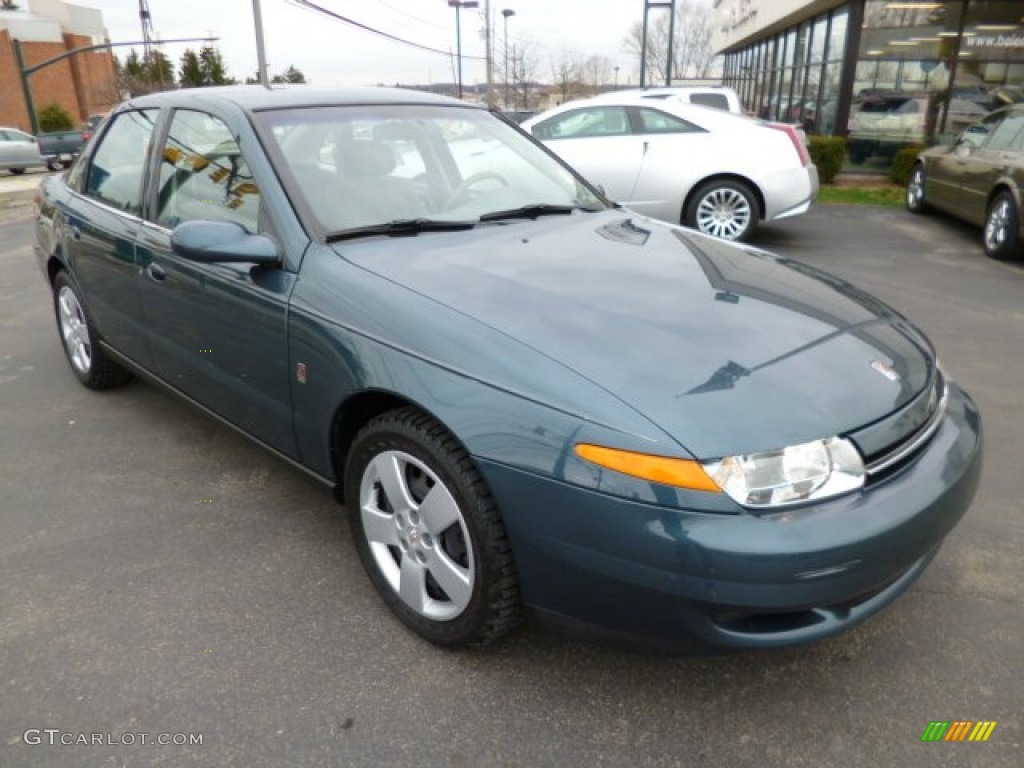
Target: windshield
{"points": [[366, 166]]}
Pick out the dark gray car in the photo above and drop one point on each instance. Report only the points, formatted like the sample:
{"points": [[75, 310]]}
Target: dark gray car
{"points": [[978, 179]]}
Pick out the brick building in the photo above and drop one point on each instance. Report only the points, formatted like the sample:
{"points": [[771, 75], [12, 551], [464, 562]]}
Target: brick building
{"points": [[83, 84]]}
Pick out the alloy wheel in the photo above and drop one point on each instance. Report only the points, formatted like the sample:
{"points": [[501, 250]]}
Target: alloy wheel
{"points": [[74, 330], [417, 535], [997, 225], [724, 212]]}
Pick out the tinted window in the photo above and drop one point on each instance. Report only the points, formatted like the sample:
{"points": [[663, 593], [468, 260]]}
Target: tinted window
{"points": [[977, 134], [716, 100], [204, 176], [656, 121], [119, 162], [584, 123], [1005, 135]]}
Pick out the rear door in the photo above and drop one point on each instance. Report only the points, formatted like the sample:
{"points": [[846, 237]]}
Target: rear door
{"points": [[102, 221], [598, 142], [218, 331]]}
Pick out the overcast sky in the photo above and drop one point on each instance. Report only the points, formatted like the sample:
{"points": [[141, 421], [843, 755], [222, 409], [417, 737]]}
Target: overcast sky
{"points": [[330, 52]]}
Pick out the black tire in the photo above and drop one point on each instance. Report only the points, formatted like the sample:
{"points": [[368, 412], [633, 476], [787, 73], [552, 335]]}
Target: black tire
{"points": [[17, 171], [1001, 236], [65, 164], [724, 208], [464, 544], [915, 194], [90, 364], [52, 165]]}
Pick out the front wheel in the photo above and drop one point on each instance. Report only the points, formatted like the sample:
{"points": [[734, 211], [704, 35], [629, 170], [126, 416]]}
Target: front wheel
{"points": [[428, 531], [1002, 228], [915, 190], [89, 362], [726, 209]]}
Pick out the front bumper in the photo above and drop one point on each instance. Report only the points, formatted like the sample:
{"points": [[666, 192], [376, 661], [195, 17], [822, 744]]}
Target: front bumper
{"points": [[694, 578]]}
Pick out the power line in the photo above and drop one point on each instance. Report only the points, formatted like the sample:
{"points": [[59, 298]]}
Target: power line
{"points": [[344, 19]]}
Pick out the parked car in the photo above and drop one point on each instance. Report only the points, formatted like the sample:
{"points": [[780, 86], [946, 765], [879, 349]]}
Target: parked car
{"points": [[979, 179], [60, 148], [884, 122], [717, 172], [19, 151], [714, 96], [525, 395], [92, 123]]}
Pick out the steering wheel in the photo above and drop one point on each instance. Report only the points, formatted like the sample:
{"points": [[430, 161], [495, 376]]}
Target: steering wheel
{"points": [[462, 191]]}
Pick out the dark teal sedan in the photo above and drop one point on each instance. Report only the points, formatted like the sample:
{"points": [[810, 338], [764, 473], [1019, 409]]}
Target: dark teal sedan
{"points": [[525, 396]]}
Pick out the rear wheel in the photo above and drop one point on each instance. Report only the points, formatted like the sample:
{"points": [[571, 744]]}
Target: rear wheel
{"points": [[428, 531], [89, 362], [726, 209], [17, 171], [915, 190], [1002, 228]]}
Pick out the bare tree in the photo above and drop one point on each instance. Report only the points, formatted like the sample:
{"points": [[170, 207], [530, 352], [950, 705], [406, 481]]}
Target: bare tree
{"points": [[692, 52], [596, 71], [523, 66], [565, 75]]}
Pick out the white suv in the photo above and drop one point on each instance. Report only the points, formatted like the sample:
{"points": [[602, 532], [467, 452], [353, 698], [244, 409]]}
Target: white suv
{"points": [[716, 96]]}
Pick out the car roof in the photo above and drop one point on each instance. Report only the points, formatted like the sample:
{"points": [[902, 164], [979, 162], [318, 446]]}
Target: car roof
{"points": [[698, 113], [255, 98]]}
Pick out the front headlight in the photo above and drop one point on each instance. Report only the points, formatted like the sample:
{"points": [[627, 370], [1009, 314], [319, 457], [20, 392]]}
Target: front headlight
{"points": [[798, 473]]}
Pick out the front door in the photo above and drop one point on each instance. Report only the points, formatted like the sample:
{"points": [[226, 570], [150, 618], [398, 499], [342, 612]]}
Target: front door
{"points": [[218, 331]]}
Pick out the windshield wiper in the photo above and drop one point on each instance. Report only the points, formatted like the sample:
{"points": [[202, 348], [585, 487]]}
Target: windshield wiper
{"points": [[533, 211], [399, 227]]}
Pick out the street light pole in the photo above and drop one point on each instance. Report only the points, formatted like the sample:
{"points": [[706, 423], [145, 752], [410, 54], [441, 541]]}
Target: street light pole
{"points": [[458, 5], [506, 12]]}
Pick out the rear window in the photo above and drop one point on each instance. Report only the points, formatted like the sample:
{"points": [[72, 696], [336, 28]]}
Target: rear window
{"points": [[716, 100]]}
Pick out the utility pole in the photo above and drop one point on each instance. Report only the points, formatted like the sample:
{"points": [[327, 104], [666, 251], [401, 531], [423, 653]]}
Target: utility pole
{"points": [[261, 51], [487, 39], [506, 12]]}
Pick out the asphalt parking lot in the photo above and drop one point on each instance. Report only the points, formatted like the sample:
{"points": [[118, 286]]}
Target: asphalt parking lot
{"points": [[161, 575]]}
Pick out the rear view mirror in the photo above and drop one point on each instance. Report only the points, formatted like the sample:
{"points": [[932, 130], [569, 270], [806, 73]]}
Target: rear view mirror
{"points": [[222, 242]]}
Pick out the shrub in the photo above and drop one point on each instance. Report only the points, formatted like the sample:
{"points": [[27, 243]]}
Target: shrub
{"points": [[902, 162], [827, 153], [54, 117]]}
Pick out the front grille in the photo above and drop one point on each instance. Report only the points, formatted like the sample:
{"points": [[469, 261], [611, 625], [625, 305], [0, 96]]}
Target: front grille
{"points": [[899, 453]]}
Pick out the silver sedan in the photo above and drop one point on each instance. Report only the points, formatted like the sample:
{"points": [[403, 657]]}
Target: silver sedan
{"points": [[18, 151], [717, 172]]}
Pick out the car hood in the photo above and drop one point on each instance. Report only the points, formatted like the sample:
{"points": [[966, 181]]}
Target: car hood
{"points": [[726, 349]]}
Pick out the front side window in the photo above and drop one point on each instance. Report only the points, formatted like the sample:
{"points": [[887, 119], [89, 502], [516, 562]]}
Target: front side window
{"points": [[1006, 135], [584, 123], [118, 165], [203, 175]]}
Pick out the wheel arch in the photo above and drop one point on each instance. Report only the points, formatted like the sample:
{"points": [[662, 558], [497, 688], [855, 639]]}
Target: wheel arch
{"points": [[354, 413], [692, 193], [1003, 185]]}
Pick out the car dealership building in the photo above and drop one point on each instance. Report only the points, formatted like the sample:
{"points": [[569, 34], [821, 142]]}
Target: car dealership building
{"points": [[883, 73]]}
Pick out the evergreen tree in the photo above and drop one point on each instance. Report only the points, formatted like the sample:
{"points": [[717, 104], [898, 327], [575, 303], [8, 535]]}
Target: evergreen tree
{"points": [[214, 71], [133, 66], [190, 70], [290, 75], [159, 69]]}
